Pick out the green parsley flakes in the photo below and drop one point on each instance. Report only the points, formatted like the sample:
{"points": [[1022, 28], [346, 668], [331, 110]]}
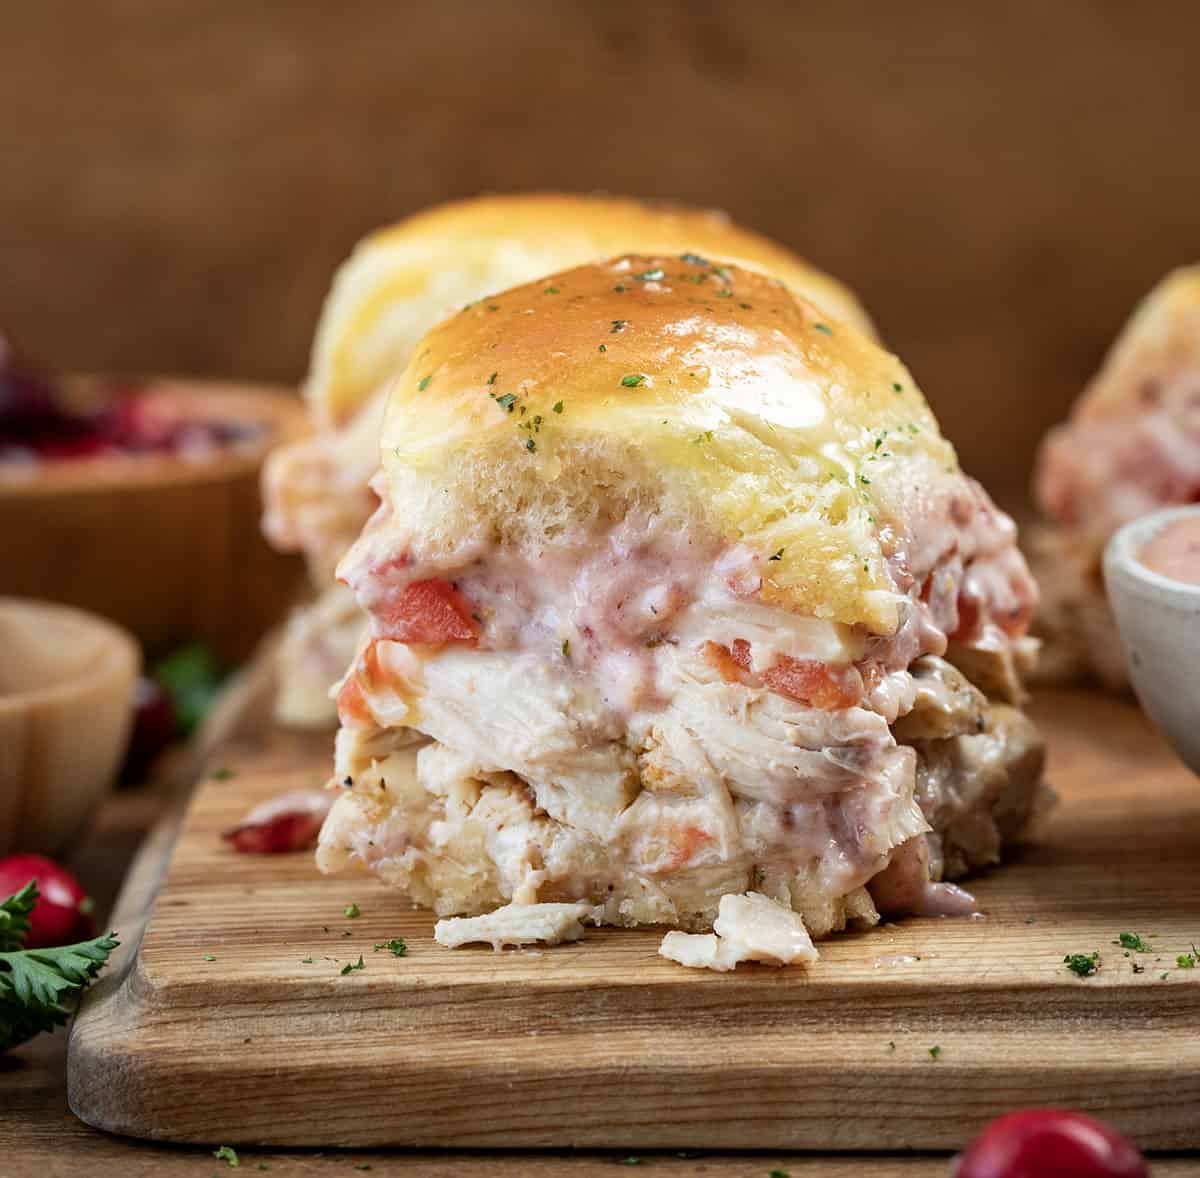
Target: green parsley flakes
{"points": [[226, 1153], [209, 957], [557, 407], [351, 911], [223, 774], [777, 555], [1132, 941], [551, 290], [423, 383], [653, 275], [633, 380], [566, 648], [507, 401], [530, 445], [1083, 965], [935, 1053], [604, 347], [823, 327], [897, 387], [778, 1174], [397, 946], [618, 325], [350, 967], [693, 259], [492, 378], [1188, 960], [706, 436]]}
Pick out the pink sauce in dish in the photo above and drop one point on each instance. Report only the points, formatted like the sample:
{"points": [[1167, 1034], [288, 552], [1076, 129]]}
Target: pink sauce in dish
{"points": [[1174, 551]]}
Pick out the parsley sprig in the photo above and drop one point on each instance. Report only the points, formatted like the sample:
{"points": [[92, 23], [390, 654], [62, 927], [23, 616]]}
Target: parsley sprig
{"points": [[36, 984]]}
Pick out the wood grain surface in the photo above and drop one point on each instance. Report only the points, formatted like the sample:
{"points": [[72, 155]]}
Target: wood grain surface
{"points": [[603, 1043]]}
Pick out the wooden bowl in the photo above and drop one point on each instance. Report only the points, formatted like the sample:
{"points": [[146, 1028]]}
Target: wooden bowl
{"points": [[66, 703], [167, 546]]}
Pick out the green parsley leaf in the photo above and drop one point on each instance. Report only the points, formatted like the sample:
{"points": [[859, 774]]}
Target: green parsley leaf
{"points": [[1082, 964], [557, 407], [423, 383], [209, 957], [507, 401], [223, 774], [349, 968], [1132, 941], [397, 947], [492, 378], [531, 445], [823, 327], [632, 380], [306, 961], [897, 387], [778, 1174], [226, 1153], [693, 259], [604, 347], [35, 984], [566, 648], [726, 293], [705, 436], [618, 325], [630, 1161], [363, 1166], [1188, 960], [493, 306], [191, 676], [351, 911], [776, 555], [935, 1053], [263, 1166], [650, 275], [619, 288], [551, 290], [862, 478]]}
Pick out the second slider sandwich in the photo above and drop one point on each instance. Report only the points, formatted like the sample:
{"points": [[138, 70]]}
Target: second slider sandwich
{"points": [[682, 596]]}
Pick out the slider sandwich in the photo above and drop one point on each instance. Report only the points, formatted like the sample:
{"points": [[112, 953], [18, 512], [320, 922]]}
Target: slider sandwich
{"points": [[396, 285], [1131, 446], [680, 612]]}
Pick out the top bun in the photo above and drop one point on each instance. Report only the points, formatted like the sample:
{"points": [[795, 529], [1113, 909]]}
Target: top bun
{"points": [[705, 393], [401, 280]]}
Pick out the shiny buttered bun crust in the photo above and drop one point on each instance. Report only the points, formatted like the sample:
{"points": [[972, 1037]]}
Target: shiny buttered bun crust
{"points": [[401, 280], [685, 386]]}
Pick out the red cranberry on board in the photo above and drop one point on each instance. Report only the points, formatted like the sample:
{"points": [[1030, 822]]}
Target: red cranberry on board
{"points": [[1049, 1143], [61, 915]]}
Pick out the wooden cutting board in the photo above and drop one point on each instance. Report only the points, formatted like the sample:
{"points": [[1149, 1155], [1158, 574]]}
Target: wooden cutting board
{"points": [[603, 1042]]}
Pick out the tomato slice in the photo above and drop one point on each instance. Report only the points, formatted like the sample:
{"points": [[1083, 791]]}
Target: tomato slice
{"points": [[815, 683], [427, 613]]}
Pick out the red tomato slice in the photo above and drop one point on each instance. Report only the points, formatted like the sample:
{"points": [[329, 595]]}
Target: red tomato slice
{"points": [[815, 683], [427, 613]]}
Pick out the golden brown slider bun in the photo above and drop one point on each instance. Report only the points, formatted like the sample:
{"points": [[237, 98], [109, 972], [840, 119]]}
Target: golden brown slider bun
{"points": [[402, 279], [704, 390]]}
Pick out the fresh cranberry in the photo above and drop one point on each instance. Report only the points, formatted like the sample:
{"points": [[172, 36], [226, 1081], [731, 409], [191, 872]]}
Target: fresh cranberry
{"points": [[1049, 1143], [61, 915], [154, 727], [27, 401]]}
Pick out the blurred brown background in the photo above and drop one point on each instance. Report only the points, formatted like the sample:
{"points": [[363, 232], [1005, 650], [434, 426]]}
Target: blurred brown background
{"points": [[999, 182]]}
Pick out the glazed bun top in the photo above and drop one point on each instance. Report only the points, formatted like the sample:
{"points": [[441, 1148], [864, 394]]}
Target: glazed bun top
{"points": [[402, 280], [693, 389], [1159, 344]]}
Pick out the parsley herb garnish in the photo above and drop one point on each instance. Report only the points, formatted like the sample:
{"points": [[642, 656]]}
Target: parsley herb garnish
{"points": [[507, 401], [1082, 964], [618, 325], [557, 407], [632, 380], [650, 275], [530, 445], [619, 288], [351, 911], [1188, 960], [897, 387], [862, 478], [423, 383], [396, 947], [778, 1174], [551, 290], [935, 1053], [726, 293], [823, 327], [566, 648], [351, 967], [226, 1153], [209, 957], [776, 555], [604, 347], [706, 436], [223, 774], [492, 378], [693, 259], [1132, 941]]}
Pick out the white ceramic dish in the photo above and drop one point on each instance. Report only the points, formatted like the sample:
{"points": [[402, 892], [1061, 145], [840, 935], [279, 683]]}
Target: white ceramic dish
{"points": [[66, 693], [1159, 621]]}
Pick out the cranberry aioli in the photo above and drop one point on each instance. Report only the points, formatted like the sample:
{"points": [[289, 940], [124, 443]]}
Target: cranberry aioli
{"points": [[1174, 550]]}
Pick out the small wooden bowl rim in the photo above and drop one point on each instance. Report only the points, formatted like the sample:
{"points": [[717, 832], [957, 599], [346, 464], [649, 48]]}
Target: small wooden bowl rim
{"points": [[276, 407], [120, 655]]}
